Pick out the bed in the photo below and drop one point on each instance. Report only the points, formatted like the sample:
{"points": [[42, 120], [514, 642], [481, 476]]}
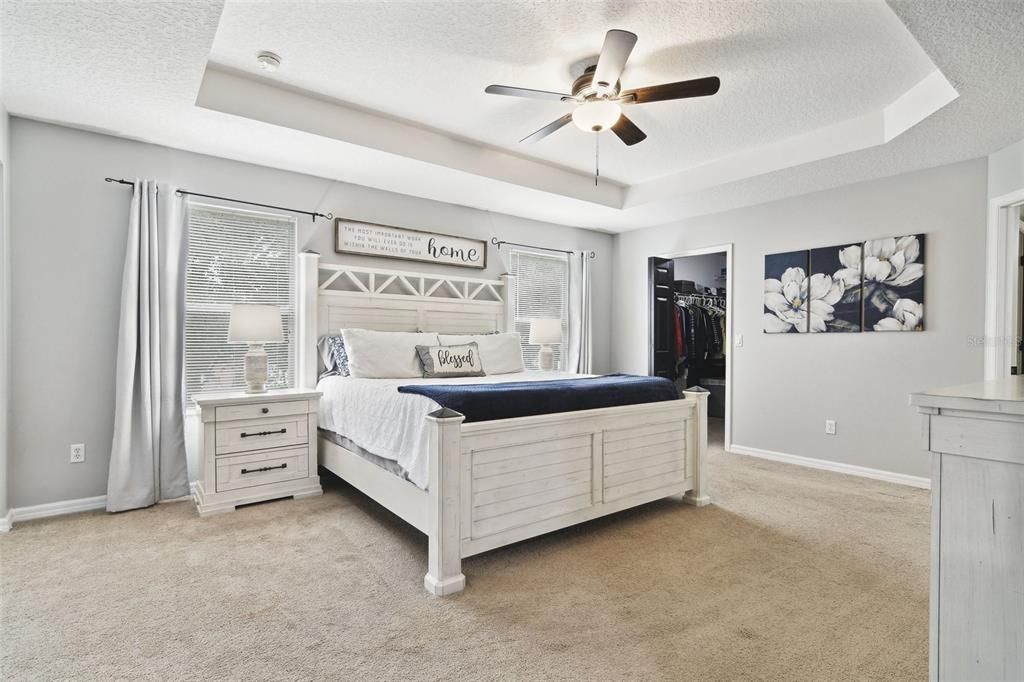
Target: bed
{"points": [[474, 487]]}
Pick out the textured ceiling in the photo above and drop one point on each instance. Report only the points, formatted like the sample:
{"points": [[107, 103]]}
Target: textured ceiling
{"points": [[786, 68], [136, 69], [122, 67]]}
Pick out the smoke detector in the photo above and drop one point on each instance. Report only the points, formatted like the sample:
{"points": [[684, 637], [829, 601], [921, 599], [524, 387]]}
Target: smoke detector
{"points": [[268, 61]]}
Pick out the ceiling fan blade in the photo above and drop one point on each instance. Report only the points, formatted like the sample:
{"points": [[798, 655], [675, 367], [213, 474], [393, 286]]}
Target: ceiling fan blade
{"points": [[698, 87], [547, 130], [526, 92], [617, 46], [627, 131]]}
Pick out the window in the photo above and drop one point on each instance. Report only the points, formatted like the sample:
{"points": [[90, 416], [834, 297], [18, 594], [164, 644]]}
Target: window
{"points": [[236, 256], [542, 290]]}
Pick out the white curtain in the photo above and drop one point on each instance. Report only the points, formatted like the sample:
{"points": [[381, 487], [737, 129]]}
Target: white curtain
{"points": [[147, 459], [579, 355]]}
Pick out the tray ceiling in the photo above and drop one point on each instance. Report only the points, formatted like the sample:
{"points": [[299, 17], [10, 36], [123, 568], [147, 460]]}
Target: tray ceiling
{"points": [[390, 95], [786, 69]]}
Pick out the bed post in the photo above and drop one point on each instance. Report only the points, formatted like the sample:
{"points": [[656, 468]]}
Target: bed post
{"points": [[508, 295], [698, 496], [308, 285], [444, 563]]}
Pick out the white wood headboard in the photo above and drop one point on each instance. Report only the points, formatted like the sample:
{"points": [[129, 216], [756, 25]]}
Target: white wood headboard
{"points": [[333, 296]]}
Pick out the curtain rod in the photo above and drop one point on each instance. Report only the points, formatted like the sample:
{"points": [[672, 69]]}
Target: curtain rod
{"points": [[498, 243], [312, 214], [184, 192]]}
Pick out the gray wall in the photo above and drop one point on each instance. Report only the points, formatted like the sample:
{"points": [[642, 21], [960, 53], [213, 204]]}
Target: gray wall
{"points": [[5, 290], [787, 385], [704, 269], [68, 236], [1006, 170]]}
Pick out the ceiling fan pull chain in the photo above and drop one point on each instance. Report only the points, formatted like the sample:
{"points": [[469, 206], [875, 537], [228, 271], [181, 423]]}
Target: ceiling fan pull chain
{"points": [[597, 158]]}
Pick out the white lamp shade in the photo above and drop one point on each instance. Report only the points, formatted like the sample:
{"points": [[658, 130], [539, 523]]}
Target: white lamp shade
{"points": [[545, 330], [255, 324]]}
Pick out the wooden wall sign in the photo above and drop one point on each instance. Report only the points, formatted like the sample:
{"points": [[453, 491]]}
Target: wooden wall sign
{"points": [[370, 239]]}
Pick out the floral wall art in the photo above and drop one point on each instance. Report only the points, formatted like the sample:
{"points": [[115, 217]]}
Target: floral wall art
{"points": [[785, 292], [835, 287], [876, 285], [894, 284]]}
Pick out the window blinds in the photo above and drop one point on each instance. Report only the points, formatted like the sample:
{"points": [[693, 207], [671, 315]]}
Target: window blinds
{"points": [[236, 256], [542, 284]]}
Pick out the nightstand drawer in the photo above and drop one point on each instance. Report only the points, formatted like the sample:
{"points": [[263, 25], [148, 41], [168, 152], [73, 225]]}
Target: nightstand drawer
{"points": [[260, 410], [246, 471], [261, 434]]}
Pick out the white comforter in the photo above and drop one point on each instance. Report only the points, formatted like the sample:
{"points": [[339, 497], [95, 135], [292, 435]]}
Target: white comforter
{"points": [[376, 417]]}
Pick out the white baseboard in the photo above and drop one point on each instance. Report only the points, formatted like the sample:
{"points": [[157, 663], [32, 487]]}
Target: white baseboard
{"points": [[41, 511], [6, 521], [837, 467]]}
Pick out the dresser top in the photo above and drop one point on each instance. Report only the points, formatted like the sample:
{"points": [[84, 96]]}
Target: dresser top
{"points": [[241, 397], [999, 395]]}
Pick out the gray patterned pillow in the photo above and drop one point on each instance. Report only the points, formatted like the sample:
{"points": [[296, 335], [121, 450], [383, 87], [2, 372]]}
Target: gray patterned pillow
{"points": [[333, 356], [450, 361]]}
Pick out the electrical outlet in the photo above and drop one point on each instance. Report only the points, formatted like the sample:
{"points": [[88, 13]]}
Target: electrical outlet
{"points": [[830, 427], [77, 453]]}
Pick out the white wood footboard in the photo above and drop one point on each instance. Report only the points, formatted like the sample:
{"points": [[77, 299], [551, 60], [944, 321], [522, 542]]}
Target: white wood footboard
{"points": [[499, 482]]}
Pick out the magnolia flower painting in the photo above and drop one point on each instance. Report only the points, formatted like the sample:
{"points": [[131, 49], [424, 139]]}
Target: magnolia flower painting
{"points": [[786, 293], [894, 284], [837, 268], [877, 285]]}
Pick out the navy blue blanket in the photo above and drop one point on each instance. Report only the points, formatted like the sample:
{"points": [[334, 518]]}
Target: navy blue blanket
{"points": [[484, 402]]}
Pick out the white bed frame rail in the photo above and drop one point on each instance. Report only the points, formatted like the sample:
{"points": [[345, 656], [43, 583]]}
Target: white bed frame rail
{"points": [[498, 482]]}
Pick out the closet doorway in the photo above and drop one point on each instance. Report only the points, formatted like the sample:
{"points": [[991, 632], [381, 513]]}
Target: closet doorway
{"points": [[690, 328]]}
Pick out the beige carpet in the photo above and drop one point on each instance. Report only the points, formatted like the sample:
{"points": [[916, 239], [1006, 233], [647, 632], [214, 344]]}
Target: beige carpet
{"points": [[792, 574]]}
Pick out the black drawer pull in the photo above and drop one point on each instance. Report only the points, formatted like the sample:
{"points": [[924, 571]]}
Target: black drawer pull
{"points": [[256, 471], [265, 410], [263, 433]]}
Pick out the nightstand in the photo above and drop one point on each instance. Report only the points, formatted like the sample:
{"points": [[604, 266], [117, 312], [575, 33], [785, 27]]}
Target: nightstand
{"points": [[256, 447]]}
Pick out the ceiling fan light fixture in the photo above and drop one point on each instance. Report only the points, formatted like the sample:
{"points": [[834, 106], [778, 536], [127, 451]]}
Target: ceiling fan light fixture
{"points": [[596, 115]]}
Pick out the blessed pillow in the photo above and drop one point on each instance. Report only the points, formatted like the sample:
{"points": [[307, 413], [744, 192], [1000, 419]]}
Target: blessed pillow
{"points": [[385, 355], [450, 361], [333, 356], [501, 353]]}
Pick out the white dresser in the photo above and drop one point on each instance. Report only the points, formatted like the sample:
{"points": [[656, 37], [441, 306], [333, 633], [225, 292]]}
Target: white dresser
{"points": [[256, 447], [976, 436]]}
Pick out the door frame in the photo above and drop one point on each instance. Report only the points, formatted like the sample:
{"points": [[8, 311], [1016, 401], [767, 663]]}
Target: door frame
{"points": [[729, 307], [1001, 285]]}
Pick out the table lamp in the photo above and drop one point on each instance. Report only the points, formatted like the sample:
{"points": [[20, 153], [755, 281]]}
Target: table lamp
{"points": [[545, 332], [255, 325]]}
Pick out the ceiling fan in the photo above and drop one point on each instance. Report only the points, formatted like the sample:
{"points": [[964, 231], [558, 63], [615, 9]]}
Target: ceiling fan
{"points": [[599, 96]]}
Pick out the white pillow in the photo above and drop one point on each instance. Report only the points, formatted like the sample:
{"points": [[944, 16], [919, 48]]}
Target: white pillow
{"points": [[385, 355], [500, 353]]}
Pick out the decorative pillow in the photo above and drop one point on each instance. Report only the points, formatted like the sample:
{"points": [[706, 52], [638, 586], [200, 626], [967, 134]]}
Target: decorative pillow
{"points": [[450, 361], [385, 355], [333, 355], [501, 353]]}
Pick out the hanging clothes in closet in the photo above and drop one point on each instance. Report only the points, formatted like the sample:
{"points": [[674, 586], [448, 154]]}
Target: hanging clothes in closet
{"points": [[700, 337]]}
